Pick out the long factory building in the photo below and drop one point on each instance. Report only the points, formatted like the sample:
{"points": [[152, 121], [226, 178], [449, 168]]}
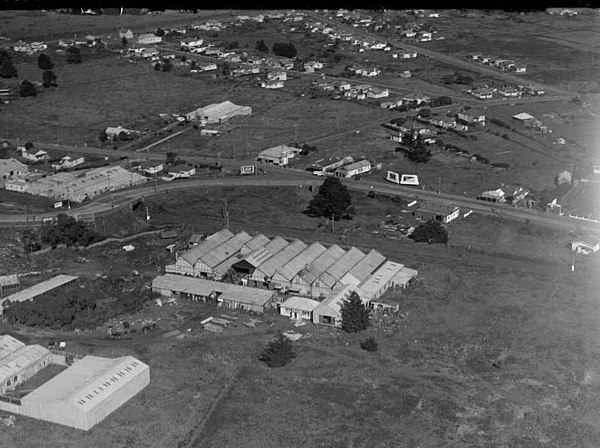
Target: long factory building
{"points": [[295, 267]]}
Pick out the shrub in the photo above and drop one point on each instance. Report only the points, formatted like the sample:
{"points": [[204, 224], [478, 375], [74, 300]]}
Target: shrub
{"points": [[369, 345], [430, 232], [278, 353]]}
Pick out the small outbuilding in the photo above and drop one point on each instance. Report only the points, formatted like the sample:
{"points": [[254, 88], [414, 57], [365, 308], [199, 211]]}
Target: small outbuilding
{"points": [[298, 308]]}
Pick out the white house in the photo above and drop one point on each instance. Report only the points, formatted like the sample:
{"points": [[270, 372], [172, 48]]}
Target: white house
{"points": [[311, 66], [151, 167], [298, 308], [114, 132], [278, 155], [272, 85], [149, 38], [182, 171], [21, 47], [376, 92], [68, 162], [35, 155], [208, 67], [277, 76], [354, 169], [127, 34]]}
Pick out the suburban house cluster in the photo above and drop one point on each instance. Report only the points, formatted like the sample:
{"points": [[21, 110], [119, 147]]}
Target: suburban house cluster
{"points": [[265, 272]]}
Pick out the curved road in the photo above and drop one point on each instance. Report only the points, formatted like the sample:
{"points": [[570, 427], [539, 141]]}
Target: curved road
{"points": [[108, 203]]}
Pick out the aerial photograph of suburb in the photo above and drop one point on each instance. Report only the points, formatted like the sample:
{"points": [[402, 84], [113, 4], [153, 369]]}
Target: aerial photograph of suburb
{"points": [[298, 228]]}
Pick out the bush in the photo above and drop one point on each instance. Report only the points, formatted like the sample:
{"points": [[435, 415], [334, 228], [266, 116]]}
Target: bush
{"points": [[278, 353], [27, 89], [261, 46], [286, 50], [369, 345], [430, 232]]}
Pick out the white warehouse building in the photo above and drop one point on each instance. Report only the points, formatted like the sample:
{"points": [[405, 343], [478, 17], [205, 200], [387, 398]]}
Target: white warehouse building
{"points": [[87, 392]]}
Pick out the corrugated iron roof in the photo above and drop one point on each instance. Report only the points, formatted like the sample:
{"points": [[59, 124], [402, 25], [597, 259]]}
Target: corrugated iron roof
{"points": [[194, 254], [321, 263], [300, 261], [343, 265]]}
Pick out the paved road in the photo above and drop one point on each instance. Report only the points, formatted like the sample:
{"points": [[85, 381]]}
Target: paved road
{"points": [[472, 66], [280, 177]]}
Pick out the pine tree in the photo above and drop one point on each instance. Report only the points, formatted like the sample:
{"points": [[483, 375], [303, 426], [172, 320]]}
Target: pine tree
{"points": [[278, 353], [73, 55], [27, 89], [44, 62], [49, 78], [355, 315], [430, 232], [7, 69], [332, 200]]}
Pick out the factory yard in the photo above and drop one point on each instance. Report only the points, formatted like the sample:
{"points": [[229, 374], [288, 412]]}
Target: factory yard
{"points": [[142, 326]]}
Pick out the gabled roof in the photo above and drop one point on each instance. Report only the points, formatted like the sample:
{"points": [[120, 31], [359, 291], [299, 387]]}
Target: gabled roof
{"points": [[261, 255], [19, 360], [9, 280], [8, 165], [88, 382], [373, 284], [9, 345], [300, 303], [225, 250], [268, 268], [344, 264], [523, 116], [363, 268], [303, 259], [194, 254], [320, 264], [254, 244]]}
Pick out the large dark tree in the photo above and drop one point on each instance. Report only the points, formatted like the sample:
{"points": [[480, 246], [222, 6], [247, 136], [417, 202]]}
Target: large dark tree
{"points": [[7, 69], [67, 231], [27, 89], [44, 62], [285, 50], [73, 55], [332, 200], [355, 315], [430, 232], [49, 79], [261, 46], [278, 353]]}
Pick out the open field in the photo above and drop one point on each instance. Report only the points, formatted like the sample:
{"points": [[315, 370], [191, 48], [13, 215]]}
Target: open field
{"points": [[500, 343], [107, 92], [36, 25]]}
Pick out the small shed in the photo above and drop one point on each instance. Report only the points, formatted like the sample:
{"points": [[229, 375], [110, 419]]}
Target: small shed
{"points": [[298, 308]]}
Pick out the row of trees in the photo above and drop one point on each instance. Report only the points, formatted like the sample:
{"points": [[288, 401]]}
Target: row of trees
{"points": [[66, 230], [283, 49]]}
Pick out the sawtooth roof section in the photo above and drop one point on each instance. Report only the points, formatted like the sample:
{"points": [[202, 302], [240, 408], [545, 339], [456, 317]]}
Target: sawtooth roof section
{"points": [[303, 259], [193, 255], [321, 263], [341, 267], [225, 250], [268, 268], [363, 268], [261, 255]]}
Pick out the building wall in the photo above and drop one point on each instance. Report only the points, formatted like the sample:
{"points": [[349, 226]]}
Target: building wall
{"points": [[294, 313], [26, 373], [67, 414], [182, 267]]}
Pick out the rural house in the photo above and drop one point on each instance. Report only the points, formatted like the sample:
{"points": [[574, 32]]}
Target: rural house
{"points": [[524, 118], [145, 39], [113, 133], [298, 308], [35, 155], [437, 212], [68, 162], [127, 34], [496, 196], [151, 167], [354, 169], [471, 116], [218, 112], [182, 171], [278, 155]]}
